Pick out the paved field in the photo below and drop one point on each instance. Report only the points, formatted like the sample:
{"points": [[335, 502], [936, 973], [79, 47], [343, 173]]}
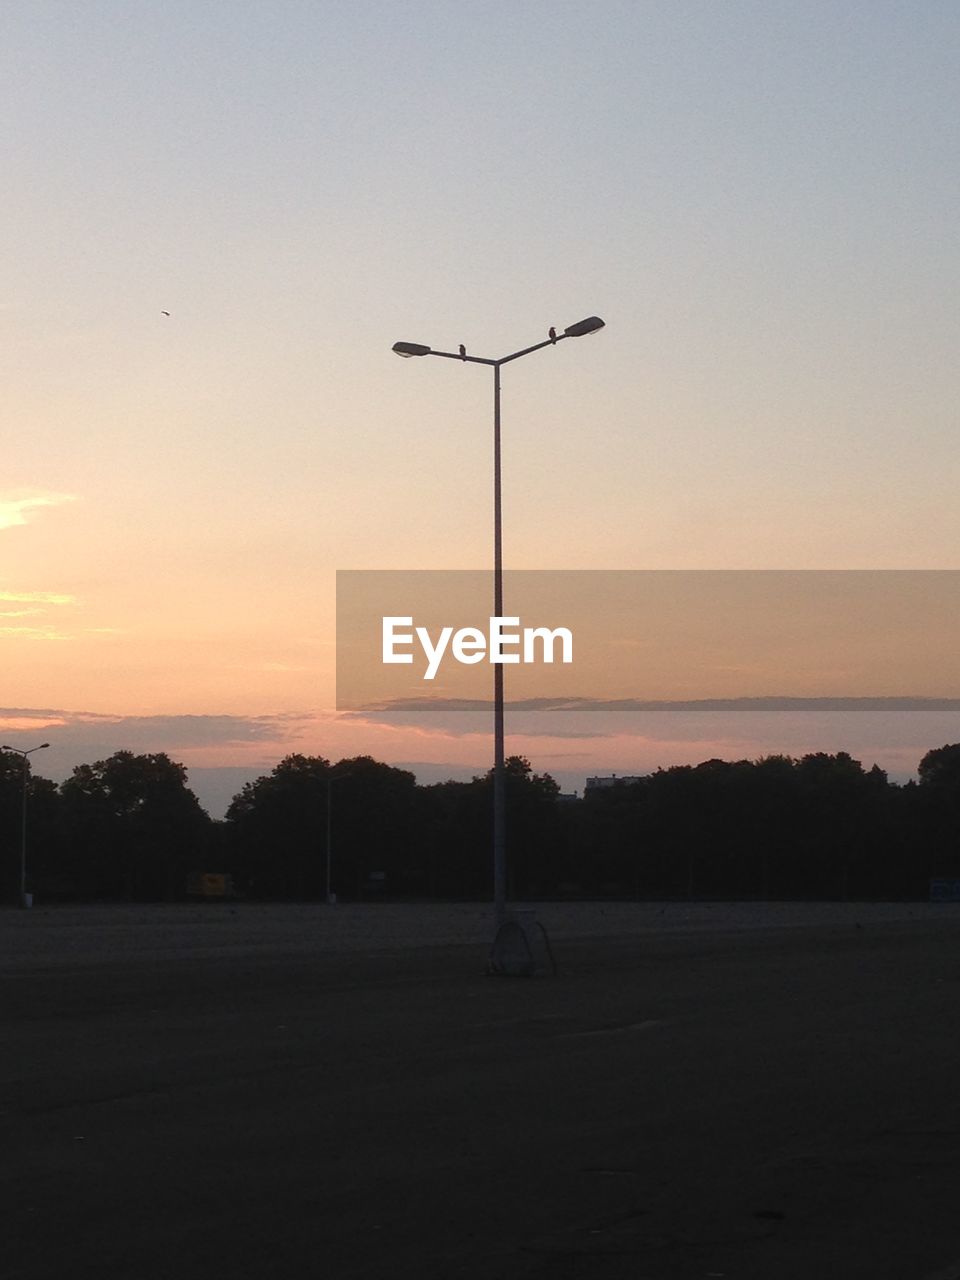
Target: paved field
{"points": [[736, 1091]]}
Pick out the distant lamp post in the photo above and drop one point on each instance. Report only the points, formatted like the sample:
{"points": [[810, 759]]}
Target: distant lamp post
{"points": [[333, 776], [25, 899], [407, 349]]}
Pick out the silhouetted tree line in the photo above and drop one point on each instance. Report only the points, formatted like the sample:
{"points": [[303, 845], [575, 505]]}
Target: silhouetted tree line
{"points": [[129, 828]]}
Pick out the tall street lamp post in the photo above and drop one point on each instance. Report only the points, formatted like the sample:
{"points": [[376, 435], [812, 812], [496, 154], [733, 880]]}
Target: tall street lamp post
{"points": [[24, 902], [408, 349]]}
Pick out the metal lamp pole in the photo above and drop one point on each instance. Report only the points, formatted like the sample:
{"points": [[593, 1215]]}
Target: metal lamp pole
{"points": [[407, 349], [23, 814]]}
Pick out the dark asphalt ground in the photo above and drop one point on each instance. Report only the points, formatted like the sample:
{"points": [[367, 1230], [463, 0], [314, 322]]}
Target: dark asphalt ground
{"points": [[779, 1103]]}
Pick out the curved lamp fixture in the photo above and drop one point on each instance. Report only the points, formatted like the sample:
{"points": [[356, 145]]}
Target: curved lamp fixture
{"points": [[583, 327], [408, 349]]}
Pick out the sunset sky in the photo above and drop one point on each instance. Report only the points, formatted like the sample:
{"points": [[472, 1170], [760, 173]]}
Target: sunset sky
{"points": [[759, 198]]}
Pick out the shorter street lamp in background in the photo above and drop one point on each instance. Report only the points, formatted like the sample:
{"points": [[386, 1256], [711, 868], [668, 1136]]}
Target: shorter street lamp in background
{"points": [[26, 900], [333, 776]]}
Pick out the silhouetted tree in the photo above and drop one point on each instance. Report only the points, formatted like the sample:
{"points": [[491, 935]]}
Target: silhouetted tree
{"points": [[835, 821], [135, 828], [278, 826], [937, 811], [453, 838], [820, 826], [373, 810], [455, 833], [940, 769]]}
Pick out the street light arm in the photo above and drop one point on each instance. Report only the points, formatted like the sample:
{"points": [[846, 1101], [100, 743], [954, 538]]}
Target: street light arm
{"points": [[550, 342], [578, 330], [452, 355]]}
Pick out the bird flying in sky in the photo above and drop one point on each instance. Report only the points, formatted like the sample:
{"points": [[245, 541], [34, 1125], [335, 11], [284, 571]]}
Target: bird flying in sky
{"points": [[164, 313]]}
